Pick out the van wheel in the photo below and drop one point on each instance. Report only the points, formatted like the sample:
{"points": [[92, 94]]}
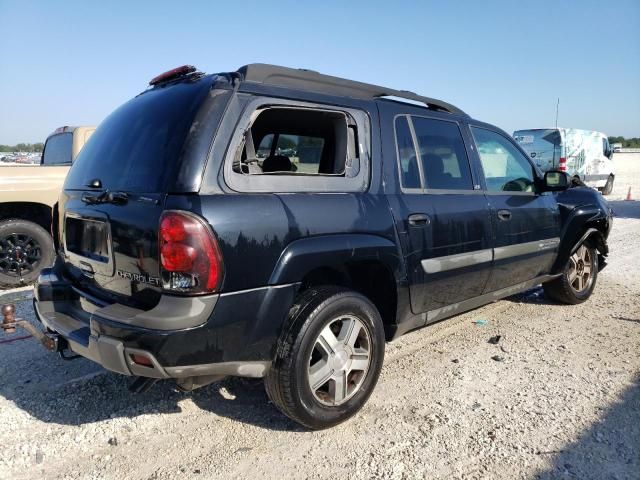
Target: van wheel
{"points": [[608, 187], [578, 279], [329, 358], [25, 248]]}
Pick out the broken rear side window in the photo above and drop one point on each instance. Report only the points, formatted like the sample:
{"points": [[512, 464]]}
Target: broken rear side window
{"points": [[297, 141]]}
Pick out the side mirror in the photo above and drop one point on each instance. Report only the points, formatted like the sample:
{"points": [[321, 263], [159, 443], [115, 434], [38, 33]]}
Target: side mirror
{"points": [[556, 181]]}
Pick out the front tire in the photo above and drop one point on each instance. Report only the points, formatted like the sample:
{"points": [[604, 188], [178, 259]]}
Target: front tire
{"points": [[329, 357], [578, 279], [25, 249]]}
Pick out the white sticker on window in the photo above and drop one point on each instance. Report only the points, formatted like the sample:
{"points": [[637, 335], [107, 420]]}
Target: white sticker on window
{"points": [[524, 138]]}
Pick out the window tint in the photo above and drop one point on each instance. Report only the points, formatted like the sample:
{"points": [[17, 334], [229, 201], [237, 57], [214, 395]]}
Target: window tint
{"points": [[264, 148], [57, 151], [505, 168], [409, 173], [296, 142], [138, 147], [444, 159]]}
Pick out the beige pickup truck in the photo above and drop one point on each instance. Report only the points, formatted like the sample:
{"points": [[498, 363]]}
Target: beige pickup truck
{"points": [[27, 196]]}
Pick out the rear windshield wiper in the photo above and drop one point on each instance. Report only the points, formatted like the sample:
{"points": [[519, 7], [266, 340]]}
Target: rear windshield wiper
{"points": [[117, 198]]}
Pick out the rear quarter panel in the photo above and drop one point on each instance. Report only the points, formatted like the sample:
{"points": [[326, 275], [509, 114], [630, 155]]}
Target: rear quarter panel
{"points": [[253, 230]]}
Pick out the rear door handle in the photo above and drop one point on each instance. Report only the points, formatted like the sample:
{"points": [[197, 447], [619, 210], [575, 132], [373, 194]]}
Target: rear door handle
{"points": [[419, 219], [504, 215]]}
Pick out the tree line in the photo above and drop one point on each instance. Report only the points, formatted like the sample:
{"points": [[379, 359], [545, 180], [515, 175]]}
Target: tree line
{"points": [[626, 142], [23, 147]]}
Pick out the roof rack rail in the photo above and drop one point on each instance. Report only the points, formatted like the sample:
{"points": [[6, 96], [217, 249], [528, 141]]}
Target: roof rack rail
{"points": [[311, 80]]}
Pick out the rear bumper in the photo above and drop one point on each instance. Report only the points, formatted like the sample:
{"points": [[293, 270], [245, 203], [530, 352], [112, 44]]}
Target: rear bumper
{"points": [[237, 335]]}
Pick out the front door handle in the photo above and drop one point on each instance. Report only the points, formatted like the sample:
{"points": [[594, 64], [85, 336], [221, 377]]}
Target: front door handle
{"points": [[504, 215], [419, 219]]}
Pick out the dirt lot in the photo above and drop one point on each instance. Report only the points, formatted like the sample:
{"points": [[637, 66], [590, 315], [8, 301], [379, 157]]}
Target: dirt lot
{"points": [[562, 400]]}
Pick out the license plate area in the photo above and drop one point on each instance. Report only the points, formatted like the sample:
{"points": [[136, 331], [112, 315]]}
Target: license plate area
{"points": [[87, 243], [87, 238]]}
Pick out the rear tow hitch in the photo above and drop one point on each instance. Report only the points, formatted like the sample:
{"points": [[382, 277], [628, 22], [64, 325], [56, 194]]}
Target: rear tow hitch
{"points": [[51, 341]]}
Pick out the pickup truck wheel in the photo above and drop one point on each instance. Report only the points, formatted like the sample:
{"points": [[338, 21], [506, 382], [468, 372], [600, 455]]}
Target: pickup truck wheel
{"points": [[608, 187], [578, 279], [25, 248], [329, 358]]}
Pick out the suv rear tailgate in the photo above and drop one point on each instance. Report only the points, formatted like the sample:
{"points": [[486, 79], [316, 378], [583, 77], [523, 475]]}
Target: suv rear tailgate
{"points": [[111, 251], [113, 197]]}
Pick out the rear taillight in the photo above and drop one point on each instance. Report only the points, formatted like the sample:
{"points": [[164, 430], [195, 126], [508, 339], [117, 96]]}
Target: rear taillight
{"points": [[562, 166], [189, 254]]}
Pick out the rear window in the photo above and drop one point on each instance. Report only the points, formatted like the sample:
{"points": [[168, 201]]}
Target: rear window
{"points": [[409, 173], [442, 155], [540, 139], [57, 150], [138, 147], [445, 164]]}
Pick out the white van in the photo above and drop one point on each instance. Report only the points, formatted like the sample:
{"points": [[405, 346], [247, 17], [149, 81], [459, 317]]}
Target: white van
{"points": [[584, 154]]}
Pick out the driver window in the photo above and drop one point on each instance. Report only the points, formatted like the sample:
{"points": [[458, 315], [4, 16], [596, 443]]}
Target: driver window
{"points": [[505, 168]]}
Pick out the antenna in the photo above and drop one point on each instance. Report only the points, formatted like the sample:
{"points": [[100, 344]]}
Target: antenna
{"points": [[557, 108]]}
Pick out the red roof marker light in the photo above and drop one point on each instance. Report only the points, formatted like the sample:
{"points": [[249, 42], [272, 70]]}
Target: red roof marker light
{"points": [[171, 74]]}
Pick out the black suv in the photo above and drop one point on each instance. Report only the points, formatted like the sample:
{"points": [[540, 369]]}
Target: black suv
{"points": [[281, 223]]}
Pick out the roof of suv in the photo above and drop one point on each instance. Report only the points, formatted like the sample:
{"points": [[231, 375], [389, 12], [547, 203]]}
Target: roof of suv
{"points": [[302, 79]]}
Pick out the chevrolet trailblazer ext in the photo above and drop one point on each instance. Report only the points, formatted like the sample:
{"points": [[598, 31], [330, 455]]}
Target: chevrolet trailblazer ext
{"points": [[284, 224]]}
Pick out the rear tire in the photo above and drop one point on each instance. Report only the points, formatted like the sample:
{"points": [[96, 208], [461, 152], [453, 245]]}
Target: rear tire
{"points": [[329, 357], [608, 187], [25, 249], [578, 279]]}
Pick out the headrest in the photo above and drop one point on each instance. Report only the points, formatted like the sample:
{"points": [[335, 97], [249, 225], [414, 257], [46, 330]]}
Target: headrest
{"points": [[276, 163]]}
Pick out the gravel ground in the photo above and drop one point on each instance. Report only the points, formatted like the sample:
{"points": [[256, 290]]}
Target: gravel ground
{"points": [[557, 397]]}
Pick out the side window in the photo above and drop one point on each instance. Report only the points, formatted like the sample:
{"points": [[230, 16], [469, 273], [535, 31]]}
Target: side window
{"points": [[57, 150], [264, 147], [409, 173], [290, 141], [445, 164], [605, 146], [505, 168]]}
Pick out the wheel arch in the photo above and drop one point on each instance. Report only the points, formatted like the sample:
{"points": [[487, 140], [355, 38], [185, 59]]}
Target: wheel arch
{"points": [[38, 213], [589, 225], [368, 264]]}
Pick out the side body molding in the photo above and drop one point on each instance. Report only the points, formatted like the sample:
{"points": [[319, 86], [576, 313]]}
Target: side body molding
{"points": [[302, 256], [460, 260]]}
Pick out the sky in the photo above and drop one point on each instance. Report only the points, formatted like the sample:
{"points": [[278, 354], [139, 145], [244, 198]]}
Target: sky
{"points": [[503, 62]]}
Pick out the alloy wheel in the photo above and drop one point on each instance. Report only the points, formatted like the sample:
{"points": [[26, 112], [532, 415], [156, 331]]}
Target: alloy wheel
{"points": [[19, 254], [340, 360], [581, 269]]}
